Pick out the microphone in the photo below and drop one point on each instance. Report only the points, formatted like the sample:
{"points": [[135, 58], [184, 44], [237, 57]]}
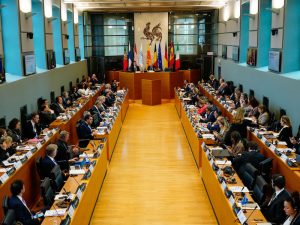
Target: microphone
{"points": [[75, 180], [245, 223]]}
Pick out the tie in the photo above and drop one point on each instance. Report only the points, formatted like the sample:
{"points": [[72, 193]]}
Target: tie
{"points": [[24, 203], [272, 199]]}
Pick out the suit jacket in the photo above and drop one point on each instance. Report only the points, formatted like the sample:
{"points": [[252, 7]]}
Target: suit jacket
{"points": [[65, 102], [22, 213], [3, 154], [15, 135], [285, 135], [96, 113], [210, 118], [46, 166], [63, 154], [84, 132], [263, 119], [296, 220], [46, 118], [215, 84], [29, 132], [252, 157], [274, 212], [239, 127], [57, 109]]}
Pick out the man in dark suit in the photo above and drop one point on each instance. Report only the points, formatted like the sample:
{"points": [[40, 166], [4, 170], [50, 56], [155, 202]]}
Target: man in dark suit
{"points": [[58, 106], [209, 116], [46, 116], [33, 128], [49, 161], [65, 154], [84, 130], [18, 204], [273, 209], [213, 82], [96, 113]]}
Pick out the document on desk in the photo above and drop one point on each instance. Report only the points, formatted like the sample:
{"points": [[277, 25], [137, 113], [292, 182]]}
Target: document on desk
{"points": [[249, 206], [263, 223], [25, 148], [64, 196], [186, 99], [55, 212], [77, 172], [239, 189], [86, 155], [208, 136], [223, 162]]}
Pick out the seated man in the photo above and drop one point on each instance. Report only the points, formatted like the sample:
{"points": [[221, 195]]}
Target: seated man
{"points": [[32, 128], [49, 161], [67, 101], [46, 116], [209, 116], [18, 204], [5, 144], [58, 106], [97, 114], [65, 154], [84, 130], [273, 209]]}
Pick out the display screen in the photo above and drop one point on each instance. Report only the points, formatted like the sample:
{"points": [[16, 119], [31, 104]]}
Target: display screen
{"points": [[66, 56], [235, 53], [30, 64], [274, 60], [251, 56], [77, 54]]}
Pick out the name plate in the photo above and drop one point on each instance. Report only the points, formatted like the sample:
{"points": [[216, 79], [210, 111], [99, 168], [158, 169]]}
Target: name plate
{"points": [[256, 132], [91, 168], [17, 165], [3, 178], [283, 157], [203, 145], [223, 184], [211, 162], [241, 216], [272, 147], [79, 193], [219, 173], [263, 139], [38, 145], [71, 211], [231, 200], [46, 138]]}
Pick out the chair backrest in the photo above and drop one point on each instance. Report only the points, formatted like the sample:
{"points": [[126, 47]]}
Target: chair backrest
{"points": [[38, 162], [57, 178], [259, 190], [249, 175], [5, 204], [265, 166], [251, 92], [266, 102], [10, 218], [47, 191]]}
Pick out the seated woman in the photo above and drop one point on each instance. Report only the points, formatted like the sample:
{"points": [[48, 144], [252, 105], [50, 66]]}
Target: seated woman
{"points": [[252, 109], [202, 104], [5, 144], [74, 94], [286, 131], [14, 130], [292, 209], [224, 127], [237, 146], [239, 124], [263, 118]]}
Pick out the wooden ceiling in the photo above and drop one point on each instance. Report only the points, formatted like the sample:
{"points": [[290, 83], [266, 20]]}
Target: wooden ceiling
{"points": [[145, 5]]}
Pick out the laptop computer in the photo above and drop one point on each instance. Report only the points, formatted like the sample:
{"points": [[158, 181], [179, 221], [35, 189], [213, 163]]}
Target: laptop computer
{"points": [[220, 152]]}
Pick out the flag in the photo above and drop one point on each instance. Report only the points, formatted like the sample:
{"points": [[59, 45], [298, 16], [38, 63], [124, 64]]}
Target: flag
{"points": [[141, 60], [177, 61], [125, 60], [129, 57], [159, 61], [166, 64], [148, 63], [171, 56], [155, 58], [135, 55]]}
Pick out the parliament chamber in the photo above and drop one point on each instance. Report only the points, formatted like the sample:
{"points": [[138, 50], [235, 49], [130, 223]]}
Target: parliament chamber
{"points": [[149, 112]]}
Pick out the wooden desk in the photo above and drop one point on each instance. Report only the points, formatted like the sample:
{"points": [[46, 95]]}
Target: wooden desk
{"points": [[112, 137], [70, 125], [28, 174], [111, 76], [178, 104], [218, 199], [292, 174], [133, 81], [124, 107], [84, 210], [151, 92], [192, 76]]}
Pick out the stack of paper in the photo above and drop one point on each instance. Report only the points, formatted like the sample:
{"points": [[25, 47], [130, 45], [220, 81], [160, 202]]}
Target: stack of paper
{"points": [[238, 189], [55, 212], [77, 172]]}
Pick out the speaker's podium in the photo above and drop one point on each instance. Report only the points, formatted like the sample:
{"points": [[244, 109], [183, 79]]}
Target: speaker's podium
{"points": [[151, 92]]}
